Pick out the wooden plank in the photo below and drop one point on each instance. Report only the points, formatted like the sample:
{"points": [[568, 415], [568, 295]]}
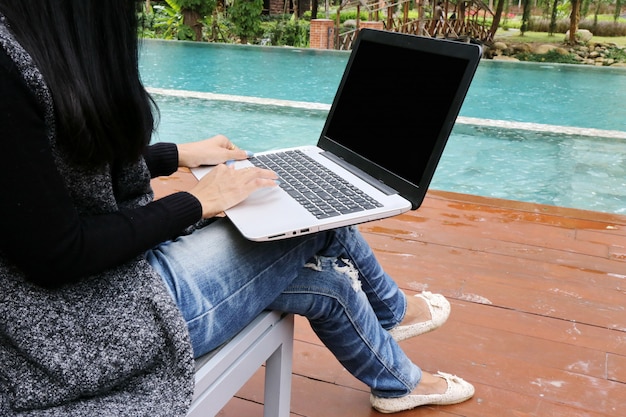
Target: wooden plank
{"points": [[538, 323]]}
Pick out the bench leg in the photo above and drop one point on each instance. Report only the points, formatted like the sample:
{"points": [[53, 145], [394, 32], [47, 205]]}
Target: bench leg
{"points": [[268, 339], [278, 369]]}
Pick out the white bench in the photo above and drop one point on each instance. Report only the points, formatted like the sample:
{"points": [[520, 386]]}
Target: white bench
{"points": [[222, 372]]}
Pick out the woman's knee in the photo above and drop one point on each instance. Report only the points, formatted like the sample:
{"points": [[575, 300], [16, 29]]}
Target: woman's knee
{"points": [[341, 279]]}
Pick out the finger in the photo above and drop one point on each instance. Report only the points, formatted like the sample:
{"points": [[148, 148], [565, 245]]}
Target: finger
{"points": [[255, 173], [221, 141], [239, 154], [259, 171], [229, 144]]}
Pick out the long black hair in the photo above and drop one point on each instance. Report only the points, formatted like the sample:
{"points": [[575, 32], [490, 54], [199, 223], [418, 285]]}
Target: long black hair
{"points": [[87, 51]]}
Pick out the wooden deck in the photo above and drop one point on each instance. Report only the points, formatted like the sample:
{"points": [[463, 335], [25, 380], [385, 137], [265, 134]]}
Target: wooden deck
{"points": [[538, 320]]}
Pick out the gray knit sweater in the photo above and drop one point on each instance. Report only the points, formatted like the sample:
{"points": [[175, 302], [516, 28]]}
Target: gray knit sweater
{"points": [[114, 344]]}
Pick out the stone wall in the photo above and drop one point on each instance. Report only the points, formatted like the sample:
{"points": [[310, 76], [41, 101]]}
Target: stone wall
{"points": [[591, 53]]}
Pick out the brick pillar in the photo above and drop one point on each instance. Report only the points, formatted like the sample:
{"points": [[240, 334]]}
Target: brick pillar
{"points": [[322, 34]]}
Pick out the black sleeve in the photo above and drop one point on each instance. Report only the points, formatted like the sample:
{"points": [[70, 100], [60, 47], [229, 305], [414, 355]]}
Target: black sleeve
{"points": [[41, 231], [161, 158]]}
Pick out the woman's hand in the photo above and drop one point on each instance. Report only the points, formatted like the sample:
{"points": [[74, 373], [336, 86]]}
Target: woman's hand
{"points": [[223, 187], [215, 150]]}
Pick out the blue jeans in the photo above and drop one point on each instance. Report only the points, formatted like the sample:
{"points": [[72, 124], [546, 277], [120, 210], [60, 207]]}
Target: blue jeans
{"points": [[222, 281]]}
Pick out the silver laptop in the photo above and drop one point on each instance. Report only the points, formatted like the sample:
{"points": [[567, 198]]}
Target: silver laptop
{"points": [[385, 132]]}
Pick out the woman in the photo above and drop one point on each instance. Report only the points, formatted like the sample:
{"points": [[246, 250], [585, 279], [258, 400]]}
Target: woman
{"points": [[107, 295]]}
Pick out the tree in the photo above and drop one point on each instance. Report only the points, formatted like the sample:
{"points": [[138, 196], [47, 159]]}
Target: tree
{"points": [[526, 7], [314, 7], [598, 4], [193, 12], [496, 17], [584, 7], [246, 17], [553, 15], [618, 10], [573, 21]]}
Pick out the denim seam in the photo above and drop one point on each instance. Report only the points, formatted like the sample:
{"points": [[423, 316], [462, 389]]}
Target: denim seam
{"points": [[381, 360]]}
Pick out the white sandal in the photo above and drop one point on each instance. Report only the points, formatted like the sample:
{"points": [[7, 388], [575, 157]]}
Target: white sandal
{"points": [[458, 391], [439, 311]]}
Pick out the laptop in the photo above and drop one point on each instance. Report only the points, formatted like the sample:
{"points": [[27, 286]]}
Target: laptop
{"points": [[387, 127]]}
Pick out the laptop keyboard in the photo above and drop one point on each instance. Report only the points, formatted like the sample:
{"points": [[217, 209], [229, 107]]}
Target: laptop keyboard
{"points": [[322, 192]]}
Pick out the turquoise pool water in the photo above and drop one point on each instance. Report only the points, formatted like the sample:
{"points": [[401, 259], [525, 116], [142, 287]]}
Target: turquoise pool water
{"points": [[542, 165], [568, 95]]}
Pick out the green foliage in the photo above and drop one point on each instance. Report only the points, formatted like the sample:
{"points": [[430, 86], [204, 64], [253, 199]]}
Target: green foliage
{"points": [[162, 22], [551, 56], [349, 14], [618, 54], [292, 32], [563, 10], [243, 21], [511, 24], [174, 5], [203, 7], [218, 29], [584, 8], [246, 17], [185, 33]]}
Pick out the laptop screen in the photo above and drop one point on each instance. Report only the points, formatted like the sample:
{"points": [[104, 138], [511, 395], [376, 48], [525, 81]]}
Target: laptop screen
{"points": [[396, 105]]}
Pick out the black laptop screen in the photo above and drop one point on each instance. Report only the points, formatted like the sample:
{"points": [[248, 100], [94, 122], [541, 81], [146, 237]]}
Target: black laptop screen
{"points": [[395, 105]]}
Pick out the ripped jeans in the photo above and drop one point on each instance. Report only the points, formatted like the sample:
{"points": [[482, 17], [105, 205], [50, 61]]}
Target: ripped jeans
{"points": [[221, 282]]}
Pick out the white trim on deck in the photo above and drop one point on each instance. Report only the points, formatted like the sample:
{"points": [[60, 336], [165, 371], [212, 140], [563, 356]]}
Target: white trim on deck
{"points": [[537, 127]]}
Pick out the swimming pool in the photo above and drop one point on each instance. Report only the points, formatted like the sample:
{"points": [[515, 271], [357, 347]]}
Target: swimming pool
{"points": [[508, 142], [568, 95]]}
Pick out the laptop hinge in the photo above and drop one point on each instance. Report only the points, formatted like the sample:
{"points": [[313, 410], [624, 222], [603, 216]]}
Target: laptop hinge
{"points": [[374, 182]]}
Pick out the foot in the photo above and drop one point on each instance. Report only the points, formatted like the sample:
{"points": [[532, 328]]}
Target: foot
{"points": [[417, 310], [430, 384], [438, 389], [424, 313]]}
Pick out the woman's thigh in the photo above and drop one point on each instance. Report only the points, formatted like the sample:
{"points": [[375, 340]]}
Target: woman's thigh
{"points": [[221, 281]]}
